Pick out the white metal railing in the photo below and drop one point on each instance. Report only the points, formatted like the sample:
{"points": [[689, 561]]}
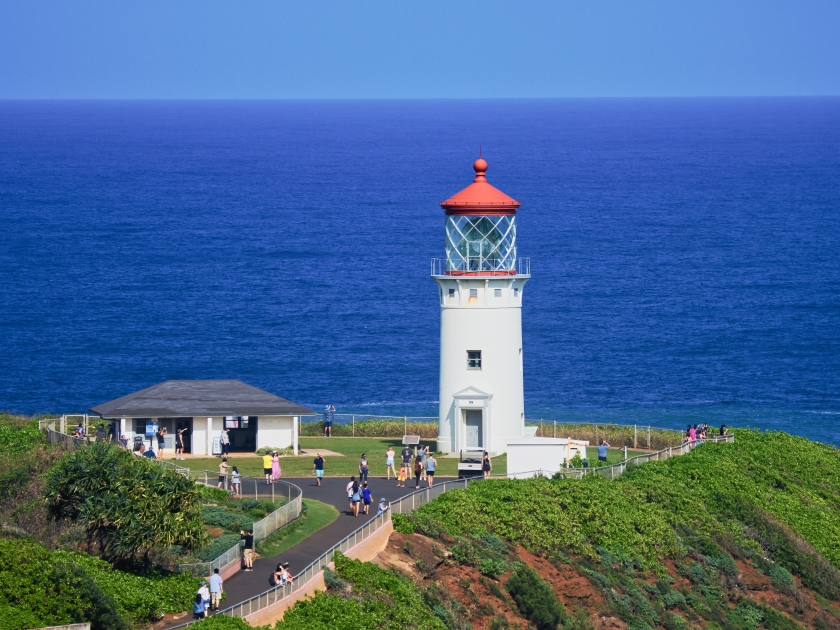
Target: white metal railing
{"points": [[611, 471], [481, 267]]}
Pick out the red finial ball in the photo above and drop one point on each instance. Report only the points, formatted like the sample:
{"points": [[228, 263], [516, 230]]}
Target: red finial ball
{"points": [[480, 166]]}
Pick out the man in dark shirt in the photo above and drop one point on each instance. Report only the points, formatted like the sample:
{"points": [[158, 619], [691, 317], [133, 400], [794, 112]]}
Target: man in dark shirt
{"points": [[248, 551], [318, 467], [406, 455]]}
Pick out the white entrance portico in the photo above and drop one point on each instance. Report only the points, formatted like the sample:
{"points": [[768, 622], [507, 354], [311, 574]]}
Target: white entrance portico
{"points": [[471, 415]]}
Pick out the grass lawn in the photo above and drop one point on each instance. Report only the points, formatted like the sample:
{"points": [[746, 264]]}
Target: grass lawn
{"points": [[352, 449], [318, 515]]}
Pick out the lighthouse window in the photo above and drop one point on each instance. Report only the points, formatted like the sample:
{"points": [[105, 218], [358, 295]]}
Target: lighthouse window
{"points": [[516, 293], [474, 293], [473, 359], [497, 293], [452, 293]]}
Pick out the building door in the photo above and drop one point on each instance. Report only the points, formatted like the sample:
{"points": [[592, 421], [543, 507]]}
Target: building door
{"points": [[473, 426]]}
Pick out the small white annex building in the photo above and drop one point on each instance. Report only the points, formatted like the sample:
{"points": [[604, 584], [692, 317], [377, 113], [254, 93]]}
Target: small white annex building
{"points": [[480, 283], [254, 418], [546, 455]]}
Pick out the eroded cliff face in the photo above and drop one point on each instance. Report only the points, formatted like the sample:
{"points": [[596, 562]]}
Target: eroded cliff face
{"points": [[606, 592]]}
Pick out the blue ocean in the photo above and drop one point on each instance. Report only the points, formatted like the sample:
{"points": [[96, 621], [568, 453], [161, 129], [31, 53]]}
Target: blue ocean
{"points": [[685, 253]]}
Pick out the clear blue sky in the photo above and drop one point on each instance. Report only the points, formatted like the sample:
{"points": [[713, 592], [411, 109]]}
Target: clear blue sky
{"points": [[433, 49]]}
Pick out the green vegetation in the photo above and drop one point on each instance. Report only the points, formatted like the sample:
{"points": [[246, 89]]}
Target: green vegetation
{"points": [[39, 588], [128, 506], [534, 598], [373, 428], [377, 599], [315, 515]]}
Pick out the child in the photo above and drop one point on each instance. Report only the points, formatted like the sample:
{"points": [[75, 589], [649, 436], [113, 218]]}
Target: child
{"points": [[236, 482], [401, 478], [198, 607], [383, 505], [366, 497]]}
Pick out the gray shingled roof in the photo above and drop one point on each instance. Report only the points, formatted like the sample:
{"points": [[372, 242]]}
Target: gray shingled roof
{"points": [[200, 398]]}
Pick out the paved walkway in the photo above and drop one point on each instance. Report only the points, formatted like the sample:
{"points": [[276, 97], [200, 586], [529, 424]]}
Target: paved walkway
{"points": [[245, 585]]}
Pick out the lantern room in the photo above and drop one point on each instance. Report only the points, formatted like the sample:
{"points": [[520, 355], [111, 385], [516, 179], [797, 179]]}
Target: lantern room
{"points": [[480, 229]]}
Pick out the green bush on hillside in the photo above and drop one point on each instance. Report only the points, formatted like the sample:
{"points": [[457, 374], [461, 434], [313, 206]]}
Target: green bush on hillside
{"points": [[534, 598], [217, 547], [219, 516], [42, 588]]}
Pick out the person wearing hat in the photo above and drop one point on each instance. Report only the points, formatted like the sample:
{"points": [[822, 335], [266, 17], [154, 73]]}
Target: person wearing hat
{"points": [[205, 596], [383, 505]]}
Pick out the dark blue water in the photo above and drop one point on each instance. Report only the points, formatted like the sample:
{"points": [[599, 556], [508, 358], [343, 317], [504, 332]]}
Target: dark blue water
{"points": [[685, 253]]}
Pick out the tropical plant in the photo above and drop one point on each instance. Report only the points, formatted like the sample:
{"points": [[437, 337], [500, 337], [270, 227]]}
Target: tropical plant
{"points": [[127, 505]]}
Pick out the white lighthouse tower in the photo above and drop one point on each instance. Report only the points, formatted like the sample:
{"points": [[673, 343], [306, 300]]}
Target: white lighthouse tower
{"points": [[481, 281]]}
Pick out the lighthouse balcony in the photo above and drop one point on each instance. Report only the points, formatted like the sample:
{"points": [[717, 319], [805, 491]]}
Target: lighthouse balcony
{"points": [[480, 267]]}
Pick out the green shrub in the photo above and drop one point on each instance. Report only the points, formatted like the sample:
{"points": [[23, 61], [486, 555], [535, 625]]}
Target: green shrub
{"points": [[781, 578], [402, 524], [19, 434], [127, 505], [534, 598], [48, 588], [217, 547], [491, 568], [332, 581], [672, 598], [213, 494], [221, 517], [282, 452], [464, 552], [672, 621]]}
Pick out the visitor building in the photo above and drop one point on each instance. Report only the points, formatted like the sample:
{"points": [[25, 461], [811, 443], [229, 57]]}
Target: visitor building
{"points": [[254, 418]]}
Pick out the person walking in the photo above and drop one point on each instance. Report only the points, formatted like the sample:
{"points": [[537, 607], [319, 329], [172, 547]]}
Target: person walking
{"points": [[401, 478], [418, 470], [352, 489], [179, 443], [275, 467], [224, 440], [216, 582], [198, 607], [248, 549], [235, 482], [318, 467], [424, 455], [389, 463], [602, 451], [329, 411], [223, 468], [486, 465], [363, 468], [366, 497], [100, 433], [267, 467], [159, 434], [112, 432], [431, 464], [692, 434], [204, 592]]}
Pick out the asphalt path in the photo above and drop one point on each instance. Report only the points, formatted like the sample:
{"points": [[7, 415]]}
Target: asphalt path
{"points": [[246, 584]]}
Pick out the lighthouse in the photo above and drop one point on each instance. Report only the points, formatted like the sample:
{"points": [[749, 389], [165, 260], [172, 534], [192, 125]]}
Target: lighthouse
{"points": [[480, 284]]}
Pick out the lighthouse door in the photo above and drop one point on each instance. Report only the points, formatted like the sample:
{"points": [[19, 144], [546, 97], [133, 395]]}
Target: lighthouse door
{"points": [[473, 427]]}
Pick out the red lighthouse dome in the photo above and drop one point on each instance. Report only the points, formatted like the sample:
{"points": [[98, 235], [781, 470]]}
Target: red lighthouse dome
{"points": [[480, 197]]}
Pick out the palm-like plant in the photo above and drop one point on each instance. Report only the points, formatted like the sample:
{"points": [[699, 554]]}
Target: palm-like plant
{"points": [[127, 505]]}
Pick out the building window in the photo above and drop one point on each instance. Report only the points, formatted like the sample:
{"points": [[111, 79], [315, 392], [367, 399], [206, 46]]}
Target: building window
{"points": [[473, 359], [516, 293], [473, 293], [497, 293], [451, 293]]}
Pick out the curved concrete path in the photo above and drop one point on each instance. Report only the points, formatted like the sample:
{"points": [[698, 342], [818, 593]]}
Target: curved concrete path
{"points": [[244, 585]]}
